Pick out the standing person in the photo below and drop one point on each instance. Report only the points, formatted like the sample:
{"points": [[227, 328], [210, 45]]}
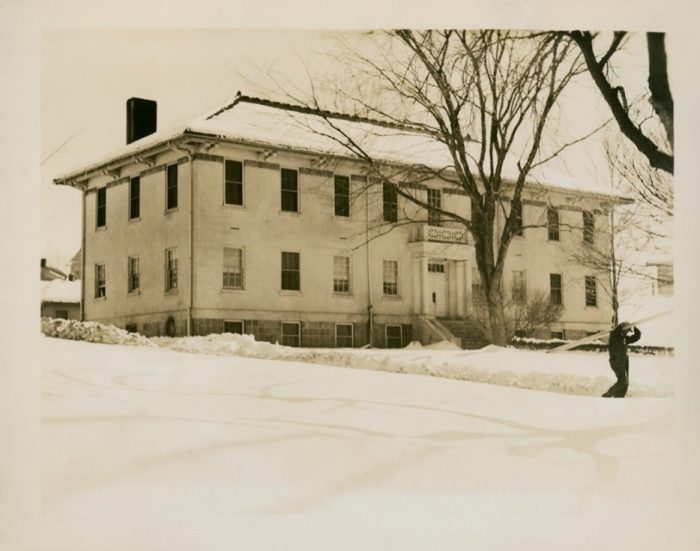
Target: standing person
{"points": [[620, 337]]}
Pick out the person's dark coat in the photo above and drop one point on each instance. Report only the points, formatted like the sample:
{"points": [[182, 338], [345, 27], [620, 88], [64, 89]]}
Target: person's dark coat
{"points": [[619, 361]]}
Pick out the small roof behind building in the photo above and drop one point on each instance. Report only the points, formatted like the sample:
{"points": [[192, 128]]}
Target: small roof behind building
{"points": [[60, 290]]}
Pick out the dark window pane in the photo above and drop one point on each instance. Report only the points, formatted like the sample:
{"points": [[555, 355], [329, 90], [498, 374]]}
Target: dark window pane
{"points": [[588, 226], [290, 190], [344, 335], [553, 224], [290, 271], [172, 187], [435, 202], [135, 198], [555, 288], [291, 334], [390, 202], [591, 291], [394, 336], [342, 196], [101, 207], [234, 183]]}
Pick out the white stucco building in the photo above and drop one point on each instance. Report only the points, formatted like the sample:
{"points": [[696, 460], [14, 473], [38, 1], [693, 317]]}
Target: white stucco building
{"points": [[249, 219]]}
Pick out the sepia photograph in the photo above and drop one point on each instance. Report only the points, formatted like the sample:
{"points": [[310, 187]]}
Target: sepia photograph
{"points": [[380, 287]]}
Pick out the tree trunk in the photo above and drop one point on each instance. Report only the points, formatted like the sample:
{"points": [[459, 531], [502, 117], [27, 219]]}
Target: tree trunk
{"points": [[497, 322]]}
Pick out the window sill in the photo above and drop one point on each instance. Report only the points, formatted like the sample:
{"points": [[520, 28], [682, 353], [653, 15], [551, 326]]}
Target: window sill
{"points": [[232, 289], [170, 211], [342, 295], [134, 220], [134, 293], [100, 228], [232, 206], [171, 292], [392, 297], [101, 298], [290, 212], [289, 292]]}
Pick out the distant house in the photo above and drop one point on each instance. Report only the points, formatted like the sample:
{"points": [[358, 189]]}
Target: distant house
{"points": [[663, 277], [49, 273], [244, 222], [76, 264], [60, 295]]}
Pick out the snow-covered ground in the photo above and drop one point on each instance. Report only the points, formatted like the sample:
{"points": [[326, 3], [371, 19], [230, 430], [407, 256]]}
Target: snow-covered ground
{"points": [[148, 448]]}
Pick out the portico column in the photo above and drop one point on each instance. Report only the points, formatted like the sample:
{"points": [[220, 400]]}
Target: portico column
{"points": [[425, 291], [460, 286], [417, 285]]}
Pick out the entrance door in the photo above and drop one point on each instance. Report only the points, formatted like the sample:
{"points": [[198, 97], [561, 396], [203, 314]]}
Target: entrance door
{"points": [[437, 287]]}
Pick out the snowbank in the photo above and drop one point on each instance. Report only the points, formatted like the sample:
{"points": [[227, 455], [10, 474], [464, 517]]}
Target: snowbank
{"points": [[90, 331], [567, 373]]}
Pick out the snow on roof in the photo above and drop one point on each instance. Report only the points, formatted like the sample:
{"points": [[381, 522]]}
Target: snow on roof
{"points": [[60, 290], [285, 126]]}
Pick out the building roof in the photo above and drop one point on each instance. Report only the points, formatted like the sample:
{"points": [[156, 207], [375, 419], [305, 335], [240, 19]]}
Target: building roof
{"points": [[283, 126], [60, 290]]}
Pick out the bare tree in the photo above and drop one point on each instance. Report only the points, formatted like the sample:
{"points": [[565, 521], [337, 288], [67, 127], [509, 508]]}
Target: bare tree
{"points": [[485, 97], [599, 64]]}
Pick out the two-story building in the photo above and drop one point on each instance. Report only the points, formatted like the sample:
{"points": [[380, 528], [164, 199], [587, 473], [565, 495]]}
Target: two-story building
{"points": [[251, 219]]}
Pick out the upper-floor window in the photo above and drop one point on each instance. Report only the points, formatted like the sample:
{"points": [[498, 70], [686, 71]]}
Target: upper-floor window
{"points": [[290, 190], [519, 287], [390, 203], [517, 208], [134, 198], [591, 291], [341, 274], [170, 270], [553, 223], [133, 274], [291, 271], [555, 294], [342, 196], [233, 268], [391, 277], [588, 226], [100, 281], [434, 203], [233, 183], [171, 191], [101, 207]]}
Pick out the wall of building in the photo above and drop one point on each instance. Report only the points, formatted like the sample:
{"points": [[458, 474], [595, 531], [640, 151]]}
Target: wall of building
{"points": [[64, 310], [146, 237]]}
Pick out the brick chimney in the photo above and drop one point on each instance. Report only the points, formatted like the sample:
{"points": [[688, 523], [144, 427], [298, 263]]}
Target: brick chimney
{"points": [[141, 118]]}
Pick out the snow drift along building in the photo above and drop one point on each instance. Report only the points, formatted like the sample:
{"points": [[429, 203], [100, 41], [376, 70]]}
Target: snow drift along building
{"points": [[251, 219]]}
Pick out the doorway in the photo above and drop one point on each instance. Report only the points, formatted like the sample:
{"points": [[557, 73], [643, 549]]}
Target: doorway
{"points": [[437, 287]]}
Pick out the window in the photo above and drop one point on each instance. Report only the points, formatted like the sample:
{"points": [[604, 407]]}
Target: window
{"points": [[391, 277], [434, 202], [436, 267], [290, 190], [517, 208], [131, 328], [555, 288], [394, 336], [233, 268], [553, 224], [290, 272], [170, 270], [557, 335], [100, 281], [520, 333], [102, 207], [519, 287], [134, 275], [171, 195], [588, 226], [344, 335], [61, 314], [291, 333], [341, 274], [591, 291], [391, 203], [134, 198], [233, 183], [342, 196], [234, 327]]}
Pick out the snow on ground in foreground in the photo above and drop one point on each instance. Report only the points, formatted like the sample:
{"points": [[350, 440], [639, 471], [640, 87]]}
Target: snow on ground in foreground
{"points": [[583, 373], [152, 449]]}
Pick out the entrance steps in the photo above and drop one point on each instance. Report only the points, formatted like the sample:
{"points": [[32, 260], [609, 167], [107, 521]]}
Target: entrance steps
{"points": [[466, 330]]}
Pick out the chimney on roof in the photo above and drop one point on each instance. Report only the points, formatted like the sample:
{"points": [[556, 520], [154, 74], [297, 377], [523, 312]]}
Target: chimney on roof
{"points": [[141, 116]]}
